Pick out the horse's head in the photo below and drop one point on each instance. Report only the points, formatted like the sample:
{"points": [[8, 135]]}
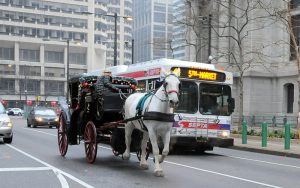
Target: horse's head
{"points": [[171, 85]]}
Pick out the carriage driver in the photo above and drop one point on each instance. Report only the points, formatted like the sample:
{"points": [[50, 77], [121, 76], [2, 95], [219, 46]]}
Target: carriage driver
{"points": [[104, 84]]}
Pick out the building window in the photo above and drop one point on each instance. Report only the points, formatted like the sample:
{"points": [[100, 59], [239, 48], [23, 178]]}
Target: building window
{"points": [[32, 86], [54, 72], [30, 70], [294, 3], [7, 53], [29, 55], [54, 88], [54, 57], [289, 95], [78, 58], [7, 86], [7, 69], [75, 72]]}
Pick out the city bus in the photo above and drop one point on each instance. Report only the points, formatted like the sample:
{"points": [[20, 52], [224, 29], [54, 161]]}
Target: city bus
{"points": [[203, 116]]}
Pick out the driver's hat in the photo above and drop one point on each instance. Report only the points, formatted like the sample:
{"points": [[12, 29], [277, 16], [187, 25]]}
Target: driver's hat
{"points": [[107, 71]]}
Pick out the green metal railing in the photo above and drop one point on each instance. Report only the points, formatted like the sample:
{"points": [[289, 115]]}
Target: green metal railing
{"points": [[264, 134]]}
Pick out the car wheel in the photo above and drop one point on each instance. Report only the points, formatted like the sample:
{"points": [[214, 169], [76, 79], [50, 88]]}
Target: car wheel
{"points": [[50, 127], [8, 140], [33, 125]]}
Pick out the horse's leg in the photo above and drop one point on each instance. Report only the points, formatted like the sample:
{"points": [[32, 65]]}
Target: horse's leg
{"points": [[128, 131], [166, 140], [144, 163], [158, 171]]}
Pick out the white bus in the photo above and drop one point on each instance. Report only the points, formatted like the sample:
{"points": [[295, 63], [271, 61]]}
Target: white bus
{"points": [[206, 104]]}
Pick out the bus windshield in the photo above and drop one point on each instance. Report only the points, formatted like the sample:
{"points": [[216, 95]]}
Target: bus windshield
{"points": [[214, 99], [188, 98]]}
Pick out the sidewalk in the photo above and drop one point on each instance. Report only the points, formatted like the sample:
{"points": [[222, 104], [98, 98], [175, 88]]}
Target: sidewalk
{"points": [[274, 146]]}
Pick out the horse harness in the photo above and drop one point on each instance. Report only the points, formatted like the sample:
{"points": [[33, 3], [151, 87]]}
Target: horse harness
{"points": [[158, 116]]}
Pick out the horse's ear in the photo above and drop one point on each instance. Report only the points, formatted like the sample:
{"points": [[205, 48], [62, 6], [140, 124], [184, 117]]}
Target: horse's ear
{"points": [[164, 73]]}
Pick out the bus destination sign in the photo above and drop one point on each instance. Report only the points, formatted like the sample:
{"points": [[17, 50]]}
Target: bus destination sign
{"points": [[201, 74]]}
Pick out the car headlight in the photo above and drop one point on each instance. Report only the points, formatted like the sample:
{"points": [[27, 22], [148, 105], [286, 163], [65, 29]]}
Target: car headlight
{"points": [[39, 119], [56, 119], [7, 123]]}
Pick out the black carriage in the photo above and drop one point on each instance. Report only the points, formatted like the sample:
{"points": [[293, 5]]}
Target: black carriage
{"points": [[94, 118]]}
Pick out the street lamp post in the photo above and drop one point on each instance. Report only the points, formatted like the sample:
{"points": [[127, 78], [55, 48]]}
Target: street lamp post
{"points": [[115, 40], [68, 64], [132, 49], [115, 16], [209, 35]]}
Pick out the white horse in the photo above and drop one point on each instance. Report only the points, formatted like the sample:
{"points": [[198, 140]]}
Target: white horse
{"points": [[162, 101]]}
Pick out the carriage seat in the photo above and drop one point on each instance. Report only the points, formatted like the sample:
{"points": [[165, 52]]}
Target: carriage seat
{"points": [[112, 102]]}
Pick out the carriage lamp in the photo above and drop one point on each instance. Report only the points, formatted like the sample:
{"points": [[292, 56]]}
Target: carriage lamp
{"points": [[132, 86], [85, 84], [39, 119]]}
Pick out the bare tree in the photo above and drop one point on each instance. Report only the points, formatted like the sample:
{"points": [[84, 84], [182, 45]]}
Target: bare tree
{"points": [[237, 23], [282, 11]]}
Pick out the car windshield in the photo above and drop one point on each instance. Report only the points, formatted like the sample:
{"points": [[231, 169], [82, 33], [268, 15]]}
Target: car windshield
{"points": [[47, 112], [2, 109]]}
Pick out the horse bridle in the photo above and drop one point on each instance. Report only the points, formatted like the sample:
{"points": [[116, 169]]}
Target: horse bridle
{"points": [[165, 86]]}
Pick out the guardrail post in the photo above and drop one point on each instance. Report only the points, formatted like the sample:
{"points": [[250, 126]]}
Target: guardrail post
{"points": [[264, 134], [244, 132], [287, 137]]}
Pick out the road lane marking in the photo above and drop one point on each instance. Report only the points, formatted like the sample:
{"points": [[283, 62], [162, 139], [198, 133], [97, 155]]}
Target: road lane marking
{"points": [[272, 163], [54, 169], [213, 172], [24, 169], [40, 132], [225, 175], [208, 171]]}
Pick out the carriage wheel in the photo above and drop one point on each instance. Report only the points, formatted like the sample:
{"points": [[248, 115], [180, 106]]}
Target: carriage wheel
{"points": [[90, 142], [62, 136]]}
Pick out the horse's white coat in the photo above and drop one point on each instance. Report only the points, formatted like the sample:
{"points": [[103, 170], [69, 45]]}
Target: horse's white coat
{"points": [[164, 99]]}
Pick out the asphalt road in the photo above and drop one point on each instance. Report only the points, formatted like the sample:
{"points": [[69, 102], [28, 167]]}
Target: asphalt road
{"points": [[33, 160]]}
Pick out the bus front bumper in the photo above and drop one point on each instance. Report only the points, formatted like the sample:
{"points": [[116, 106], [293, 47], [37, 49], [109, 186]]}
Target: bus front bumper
{"points": [[200, 141]]}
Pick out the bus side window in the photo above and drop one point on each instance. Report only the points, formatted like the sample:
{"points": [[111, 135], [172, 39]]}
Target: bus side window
{"points": [[141, 86], [158, 83]]}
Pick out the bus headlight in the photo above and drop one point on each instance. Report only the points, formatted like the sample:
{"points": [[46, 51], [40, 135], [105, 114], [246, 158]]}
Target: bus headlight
{"points": [[224, 134]]}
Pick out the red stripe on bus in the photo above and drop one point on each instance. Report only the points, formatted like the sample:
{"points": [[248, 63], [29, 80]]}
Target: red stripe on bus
{"points": [[134, 74]]}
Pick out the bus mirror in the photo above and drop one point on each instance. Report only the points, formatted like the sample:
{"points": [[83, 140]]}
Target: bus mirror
{"points": [[231, 105]]}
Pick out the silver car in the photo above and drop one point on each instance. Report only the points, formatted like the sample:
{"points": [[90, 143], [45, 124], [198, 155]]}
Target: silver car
{"points": [[6, 127]]}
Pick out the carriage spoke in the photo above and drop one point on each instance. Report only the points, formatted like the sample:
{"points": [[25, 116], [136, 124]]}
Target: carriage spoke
{"points": [[62, 136], [90, 142]]}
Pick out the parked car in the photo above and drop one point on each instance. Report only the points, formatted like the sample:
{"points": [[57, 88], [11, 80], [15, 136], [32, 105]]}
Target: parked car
{"points": [[42, 117], [7, 110], [6, 126], [15, 112]]}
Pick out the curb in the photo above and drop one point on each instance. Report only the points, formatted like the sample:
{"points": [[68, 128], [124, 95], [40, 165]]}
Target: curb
{"points": [[266, 151]]}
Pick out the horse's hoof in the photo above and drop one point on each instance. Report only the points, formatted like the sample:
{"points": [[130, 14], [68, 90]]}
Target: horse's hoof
{"points": [[159, 173], [144, 166], [125, 156]]}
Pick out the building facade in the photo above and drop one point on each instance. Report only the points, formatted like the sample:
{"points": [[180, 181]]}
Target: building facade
{"points": [[34, 38], [270, 84], [123, 9], [152, 29]]}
